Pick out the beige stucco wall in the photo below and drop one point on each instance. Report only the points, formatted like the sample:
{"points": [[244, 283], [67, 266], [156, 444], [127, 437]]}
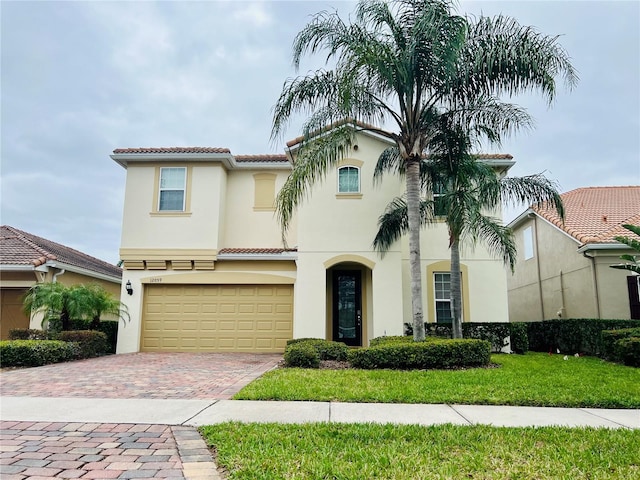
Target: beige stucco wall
{"points": [[246, 226], [565, 282], [198, 228], [239, 272]]}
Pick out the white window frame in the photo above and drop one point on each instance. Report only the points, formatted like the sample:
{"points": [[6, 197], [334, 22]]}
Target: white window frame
{"points": [[527, 242], [438, 191], [183, 189], [437, 300], [357, 169]]}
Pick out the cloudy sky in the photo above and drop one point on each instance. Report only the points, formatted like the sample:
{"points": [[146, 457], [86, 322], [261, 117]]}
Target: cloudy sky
{"points": [[80, 79]]}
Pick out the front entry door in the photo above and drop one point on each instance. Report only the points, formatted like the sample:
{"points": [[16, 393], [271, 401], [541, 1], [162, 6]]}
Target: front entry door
{"points": [[347, 307]]}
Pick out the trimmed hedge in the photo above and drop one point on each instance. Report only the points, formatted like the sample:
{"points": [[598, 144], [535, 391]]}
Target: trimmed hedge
{"points": [[390, 340], [582, 335], [34, 353], [423, 355], [519, 338], [494, 332], [326, 349], [628, 351], [611, 337], [108, 327], [28, 334], [91, 342], [301, 355]]}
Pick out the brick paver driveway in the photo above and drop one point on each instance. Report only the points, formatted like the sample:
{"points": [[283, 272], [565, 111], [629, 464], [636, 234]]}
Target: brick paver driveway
{"points": [[141, 375]]}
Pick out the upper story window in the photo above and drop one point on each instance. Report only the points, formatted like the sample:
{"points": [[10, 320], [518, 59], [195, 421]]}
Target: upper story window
{"points": [[439, 208], [527, 237], [173, 183], [349, 180]]}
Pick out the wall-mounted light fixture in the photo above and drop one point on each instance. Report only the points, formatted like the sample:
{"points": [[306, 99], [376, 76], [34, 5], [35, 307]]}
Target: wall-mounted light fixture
{"points": [[129, 287]]}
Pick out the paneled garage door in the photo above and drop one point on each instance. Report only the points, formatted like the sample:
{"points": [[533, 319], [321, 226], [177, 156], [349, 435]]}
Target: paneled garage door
{"points": [[217, 318]]}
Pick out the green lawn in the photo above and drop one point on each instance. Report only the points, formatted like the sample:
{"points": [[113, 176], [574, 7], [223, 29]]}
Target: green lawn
{"points": [[342, 451], [534, 379]]}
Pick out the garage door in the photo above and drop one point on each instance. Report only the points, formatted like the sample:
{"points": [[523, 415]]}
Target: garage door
{"points": [[217, 318], [11, 315]]}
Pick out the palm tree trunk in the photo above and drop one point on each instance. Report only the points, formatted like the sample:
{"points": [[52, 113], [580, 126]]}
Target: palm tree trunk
{"points": [[413, 214], [65, 320], [456, 291]]}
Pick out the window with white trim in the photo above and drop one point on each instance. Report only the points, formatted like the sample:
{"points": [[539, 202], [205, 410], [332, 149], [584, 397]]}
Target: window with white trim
{"points": [[442, 290], [439, 208], [348, 179], [527, 240], [173, 183]]}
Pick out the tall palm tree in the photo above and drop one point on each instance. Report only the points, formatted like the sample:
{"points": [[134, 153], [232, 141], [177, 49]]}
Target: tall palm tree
{"points": [[469, 192], [404, 62]]}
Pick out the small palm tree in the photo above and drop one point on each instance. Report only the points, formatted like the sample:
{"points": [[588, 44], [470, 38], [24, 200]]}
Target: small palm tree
{"points": [[56, 300], [100, 302], [633, 261], [469, 191], [406, 62]]}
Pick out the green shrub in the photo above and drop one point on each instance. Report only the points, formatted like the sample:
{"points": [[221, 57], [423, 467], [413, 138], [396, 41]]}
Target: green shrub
{"points": [[581, 335], [433, 354], [301, 355], [519, 338], [628, 351], [326, 349], [390, 339], [494, 332], [108, 327], [33, 353], [91, 342], [609, 339], [28, 334]]}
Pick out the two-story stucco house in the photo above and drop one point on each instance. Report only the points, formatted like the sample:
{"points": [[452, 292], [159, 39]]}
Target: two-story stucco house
{"points": [[206, 267], [564, 267]]}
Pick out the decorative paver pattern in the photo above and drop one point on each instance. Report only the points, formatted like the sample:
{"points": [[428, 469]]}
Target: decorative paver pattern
{"points": [[30, 450], [141, 375]]}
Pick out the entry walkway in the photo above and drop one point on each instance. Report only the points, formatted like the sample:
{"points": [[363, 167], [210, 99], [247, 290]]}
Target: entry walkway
{"points": [[206, 412]]}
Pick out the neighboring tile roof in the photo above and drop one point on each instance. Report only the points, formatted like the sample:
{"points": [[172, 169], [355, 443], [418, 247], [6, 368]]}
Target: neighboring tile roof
{"points": [[172, 150], [596, 214], [22, 248], [281, 158], [257, 250]]}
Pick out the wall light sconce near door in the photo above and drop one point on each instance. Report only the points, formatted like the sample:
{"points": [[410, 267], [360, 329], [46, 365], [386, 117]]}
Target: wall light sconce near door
{"points": [[129, 287]]}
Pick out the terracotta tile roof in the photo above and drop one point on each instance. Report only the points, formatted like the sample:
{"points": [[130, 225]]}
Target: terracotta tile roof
{"points": [[257, 250], [172, 150], [339, 123], [22, 248], [596, 214], [281, 158]]}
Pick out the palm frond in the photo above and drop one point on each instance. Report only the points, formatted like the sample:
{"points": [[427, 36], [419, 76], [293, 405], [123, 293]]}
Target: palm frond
{"points": [[314, 158], [394, 222]]}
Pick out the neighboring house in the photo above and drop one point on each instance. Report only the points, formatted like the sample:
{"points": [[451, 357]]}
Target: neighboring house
{"points": [[209, 269], [563, 269], [27, 259]]}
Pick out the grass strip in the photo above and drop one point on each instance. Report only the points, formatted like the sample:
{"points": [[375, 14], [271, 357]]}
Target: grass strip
{"points": [[357, 451], [534, 379]]}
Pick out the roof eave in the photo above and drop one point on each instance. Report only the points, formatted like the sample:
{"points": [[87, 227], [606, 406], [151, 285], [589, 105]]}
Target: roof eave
{"points": [[289, 256], [123, 159], [603, 246], [83, 271]]}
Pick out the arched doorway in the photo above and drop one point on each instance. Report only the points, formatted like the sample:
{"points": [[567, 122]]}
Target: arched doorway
{"points": [[348, 300]]}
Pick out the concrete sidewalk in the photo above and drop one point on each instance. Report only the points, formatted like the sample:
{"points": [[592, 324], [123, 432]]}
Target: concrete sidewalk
{"points": [[206, 412]]}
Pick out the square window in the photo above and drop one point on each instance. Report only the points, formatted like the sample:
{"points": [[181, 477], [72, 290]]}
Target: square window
{"points": [[172, 189]]}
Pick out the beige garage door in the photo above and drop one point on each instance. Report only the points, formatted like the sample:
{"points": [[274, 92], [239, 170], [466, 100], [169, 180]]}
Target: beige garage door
{"points": [[217, 318]]}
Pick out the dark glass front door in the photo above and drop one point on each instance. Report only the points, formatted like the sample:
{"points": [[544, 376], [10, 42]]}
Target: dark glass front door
{"points": [[347, 307]]}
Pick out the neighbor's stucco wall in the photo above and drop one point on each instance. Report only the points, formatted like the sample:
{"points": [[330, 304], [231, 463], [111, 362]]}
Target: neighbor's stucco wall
{"points": [[559, 282]]}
